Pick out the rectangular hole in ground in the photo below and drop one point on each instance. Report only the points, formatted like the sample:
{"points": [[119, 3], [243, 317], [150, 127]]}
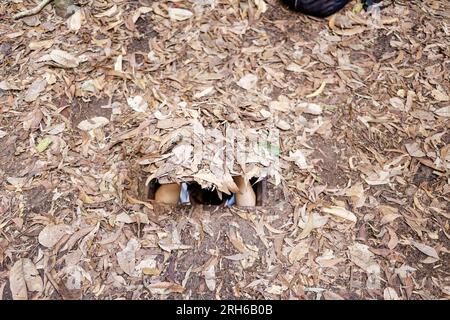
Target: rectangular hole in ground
{"points": [[201, 196]]}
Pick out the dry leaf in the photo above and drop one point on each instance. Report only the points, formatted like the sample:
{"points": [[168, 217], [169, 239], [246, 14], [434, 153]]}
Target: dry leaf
{"points": [[363, 258], [388, 218], [318, 91], [328, 295], [397, 103], [44, 44], [91, 124], [275, 289], [283, 125], [51, 234], [261, 7], [165, 288], [390, 294], [210, 277], [310, 108], [148, 266], [443, 112], [24, 278], [248, 82], [178, 14], [7, 85], [74, 21], [429, 251], [108, 13], [138, 104], [127, 257], [64, 58], [36, 88], [299, 157], [32, 277], [17, 282], [282, 104], [205, 92], [414, 150], [314, 221], [33, 119], [340, 212], [298, 252], [118, 64], [173, 246], [296, 68], [440, 95]]}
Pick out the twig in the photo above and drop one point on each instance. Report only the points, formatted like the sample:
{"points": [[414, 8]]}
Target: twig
{"points": [[32, 11]]}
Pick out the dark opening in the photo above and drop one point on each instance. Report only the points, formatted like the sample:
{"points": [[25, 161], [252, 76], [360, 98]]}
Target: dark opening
{"points": [[210, 196], [260, 188], [201, 196], [152, 187]]}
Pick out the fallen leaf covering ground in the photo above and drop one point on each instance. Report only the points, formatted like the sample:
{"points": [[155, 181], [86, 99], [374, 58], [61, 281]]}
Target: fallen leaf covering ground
{"points": [[92, 105]]}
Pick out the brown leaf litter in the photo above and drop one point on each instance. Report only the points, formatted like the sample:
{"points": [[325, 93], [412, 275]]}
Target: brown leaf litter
{"points": [[358, 202]]}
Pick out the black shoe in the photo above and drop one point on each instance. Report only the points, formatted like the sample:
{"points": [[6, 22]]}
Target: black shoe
{"points": [[317, 8]]}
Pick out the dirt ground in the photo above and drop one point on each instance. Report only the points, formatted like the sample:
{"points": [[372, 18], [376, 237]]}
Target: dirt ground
{"points": [[358, 207]]}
